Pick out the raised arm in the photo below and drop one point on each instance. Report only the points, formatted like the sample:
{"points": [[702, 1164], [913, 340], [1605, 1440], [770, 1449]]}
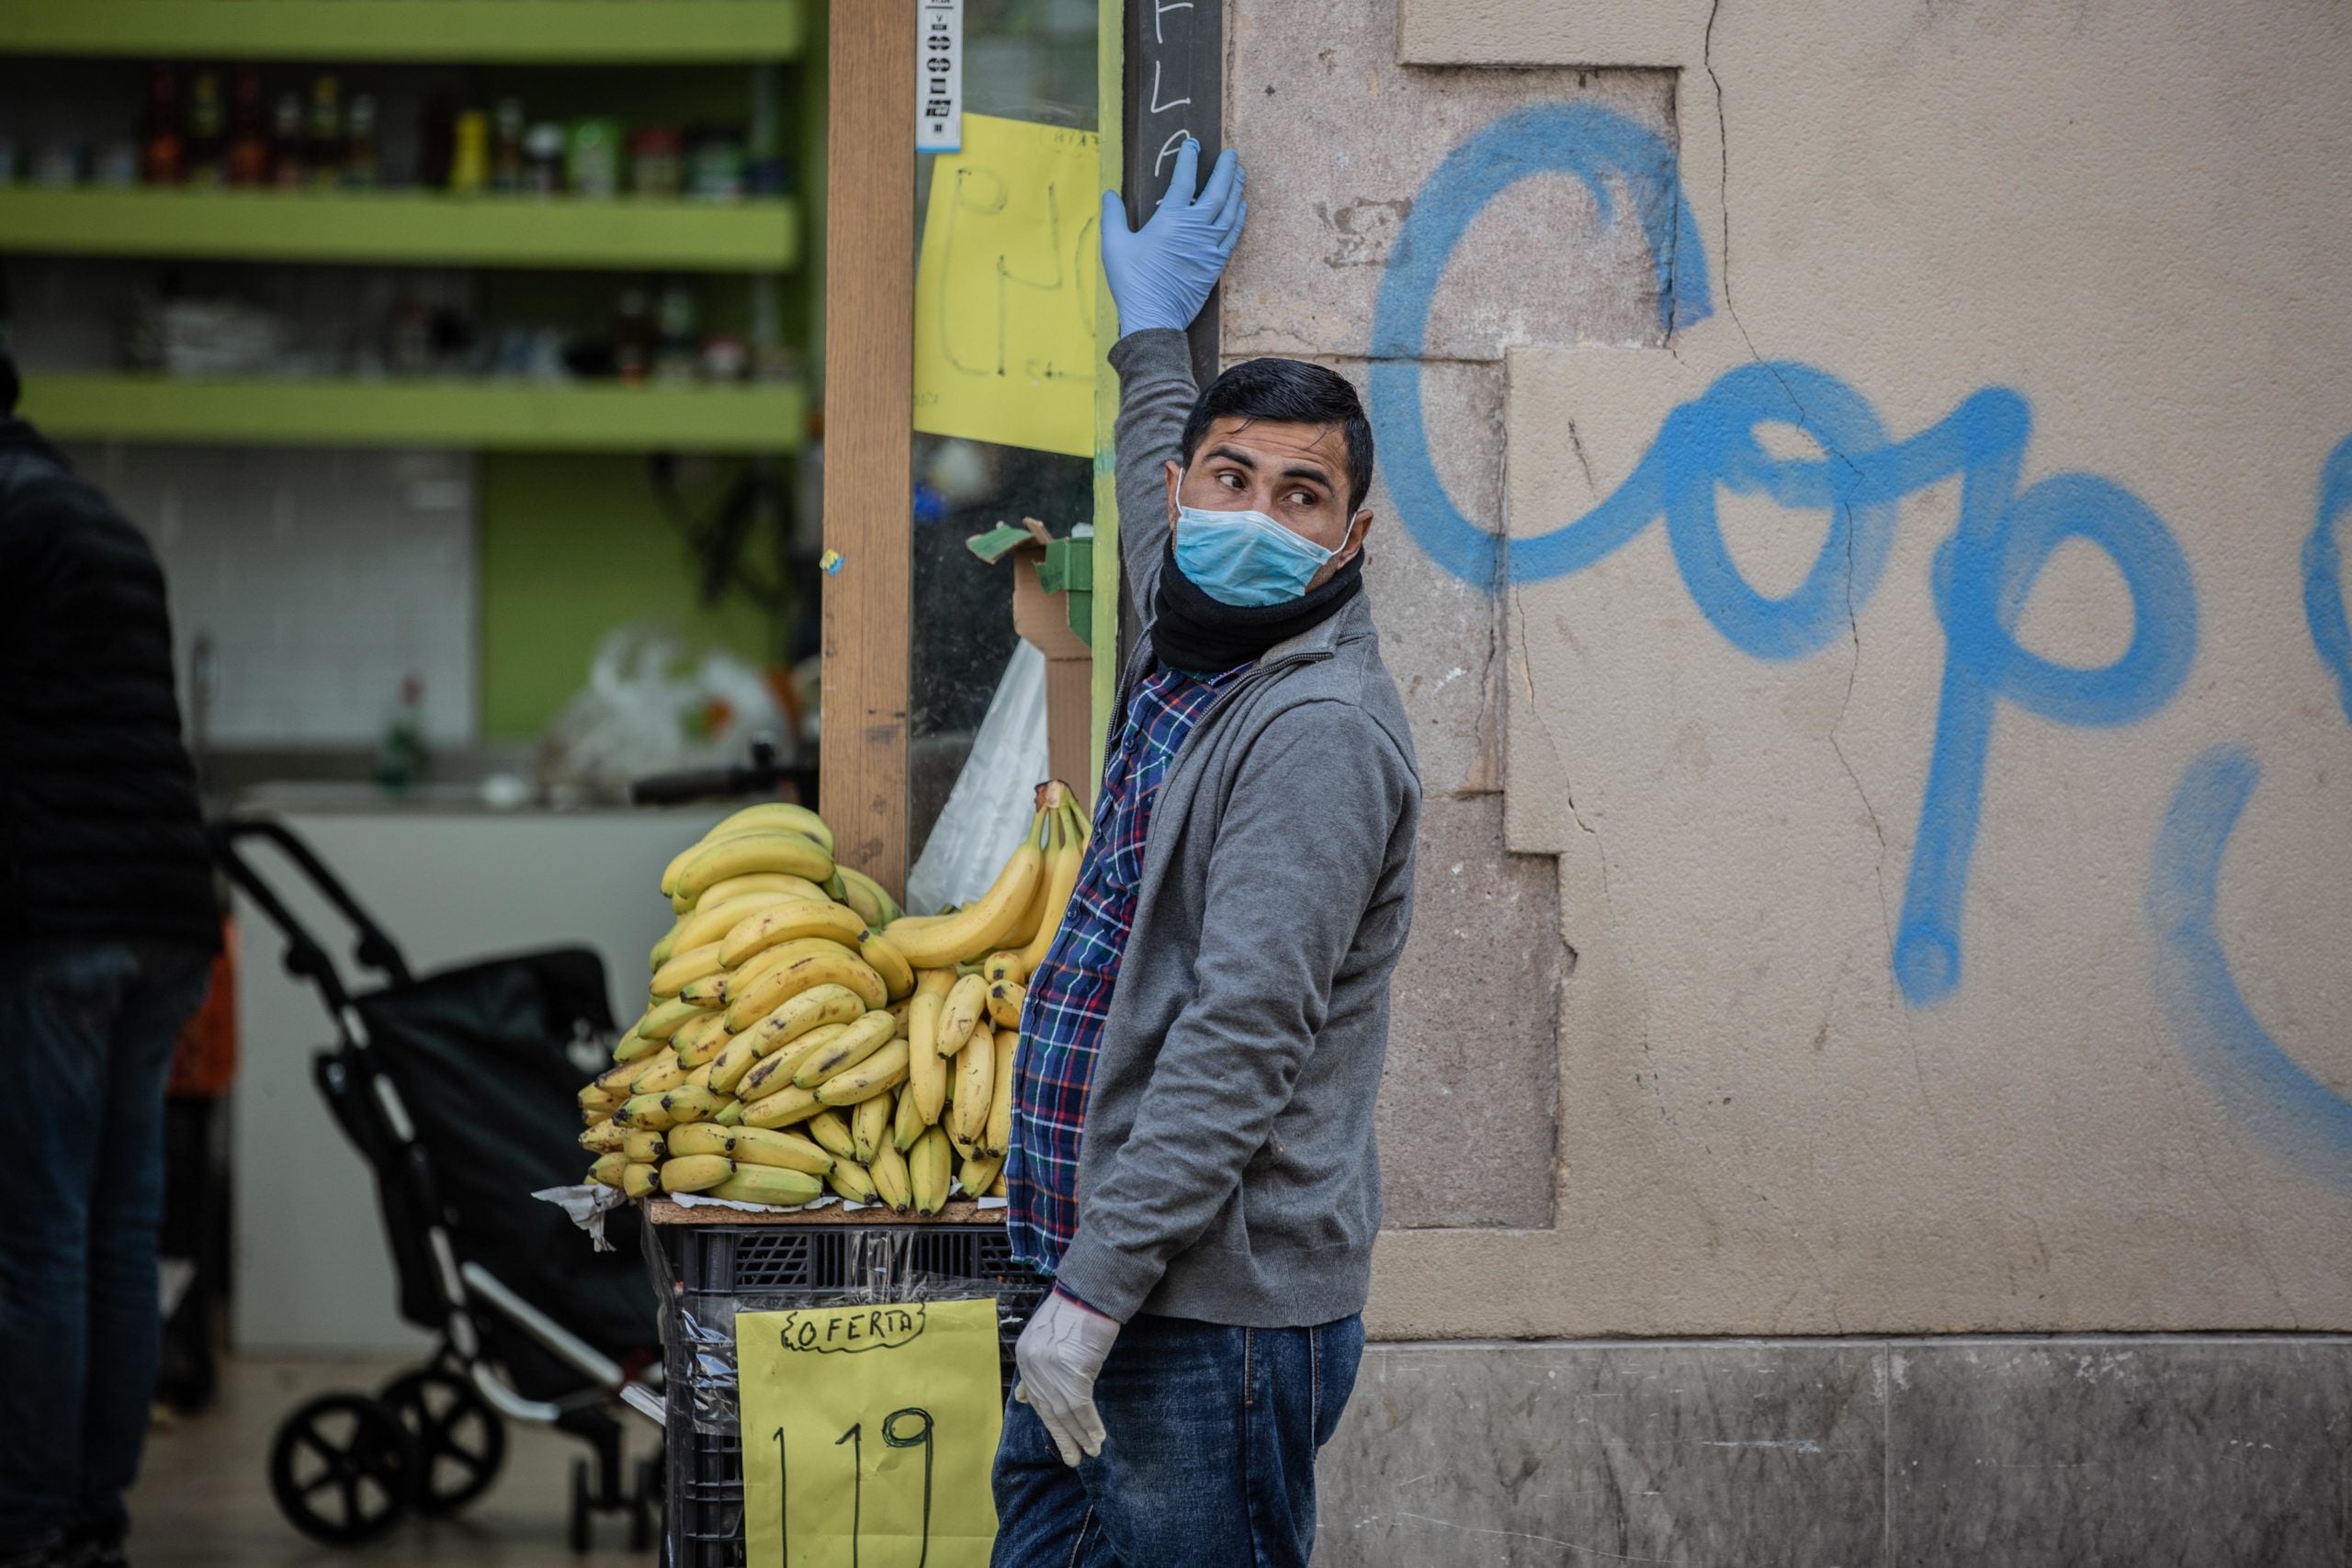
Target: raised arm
{"points": [[1160, 275]]}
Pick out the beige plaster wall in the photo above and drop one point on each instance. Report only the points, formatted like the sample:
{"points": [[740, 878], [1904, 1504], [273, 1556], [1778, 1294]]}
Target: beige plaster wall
{"points": [[2130, 223]]}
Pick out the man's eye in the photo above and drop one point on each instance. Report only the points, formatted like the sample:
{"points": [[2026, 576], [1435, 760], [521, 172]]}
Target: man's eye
{"points": [[1229, 480]]}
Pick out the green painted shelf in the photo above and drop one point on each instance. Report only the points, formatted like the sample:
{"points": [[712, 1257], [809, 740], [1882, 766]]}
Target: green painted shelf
{"points": [[403, 226], [482, 415], [546, 32]]}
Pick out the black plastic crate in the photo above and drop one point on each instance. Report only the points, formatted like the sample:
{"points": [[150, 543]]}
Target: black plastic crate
{"points": [[712, 1267]]}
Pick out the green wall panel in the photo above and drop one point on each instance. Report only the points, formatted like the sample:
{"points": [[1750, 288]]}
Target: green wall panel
{"points": [[571, 548]]}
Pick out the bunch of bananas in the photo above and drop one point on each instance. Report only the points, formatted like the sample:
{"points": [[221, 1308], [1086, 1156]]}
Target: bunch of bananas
{"points": [[794, 993]]}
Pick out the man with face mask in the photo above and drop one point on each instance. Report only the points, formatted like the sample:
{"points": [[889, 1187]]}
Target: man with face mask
{"points": [[1192, 1154]]}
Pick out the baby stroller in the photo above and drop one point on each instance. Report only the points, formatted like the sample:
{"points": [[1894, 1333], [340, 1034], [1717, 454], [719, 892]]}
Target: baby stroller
{"points": [[458, 1088]]}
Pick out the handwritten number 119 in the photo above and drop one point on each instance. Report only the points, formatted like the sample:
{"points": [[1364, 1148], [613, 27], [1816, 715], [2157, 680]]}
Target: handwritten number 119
{"points": [[916, 1434]]}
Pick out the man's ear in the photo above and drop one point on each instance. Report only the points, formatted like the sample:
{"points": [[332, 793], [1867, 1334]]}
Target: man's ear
{"points": [[1358, 526], [1175, 478]]}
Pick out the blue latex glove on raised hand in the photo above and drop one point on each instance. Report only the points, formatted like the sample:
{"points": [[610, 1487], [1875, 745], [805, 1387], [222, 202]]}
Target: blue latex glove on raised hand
{"points": [[1160, 275], [1057, 1359]]}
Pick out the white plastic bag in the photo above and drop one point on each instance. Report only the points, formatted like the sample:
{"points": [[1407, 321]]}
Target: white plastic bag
{"points": [[650, 709], [989, 808]]}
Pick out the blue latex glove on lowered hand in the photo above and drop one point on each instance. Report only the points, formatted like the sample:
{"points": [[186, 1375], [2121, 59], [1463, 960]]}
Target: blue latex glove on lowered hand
{"points": [[1160, 275], [1057, 1359]]}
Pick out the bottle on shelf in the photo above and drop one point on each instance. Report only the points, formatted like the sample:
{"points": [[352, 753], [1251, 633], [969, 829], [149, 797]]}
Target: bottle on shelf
{"points": [[401, 759], [248, 157], [470, 153], [163, 150], [362, 169], [543, 159], [674, 320], [208, 131], [286, 171], [507, 153], [323, 149], [633, 339]]}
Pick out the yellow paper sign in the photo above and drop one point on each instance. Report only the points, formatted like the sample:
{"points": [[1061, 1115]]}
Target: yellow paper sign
{"points": [[868, 1434], [1004, 290]]}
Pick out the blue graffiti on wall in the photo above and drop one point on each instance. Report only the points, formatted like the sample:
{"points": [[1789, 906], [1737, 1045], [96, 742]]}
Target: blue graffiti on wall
{"points": [[1983, 573], [2323, 573], [2295, 1114]]}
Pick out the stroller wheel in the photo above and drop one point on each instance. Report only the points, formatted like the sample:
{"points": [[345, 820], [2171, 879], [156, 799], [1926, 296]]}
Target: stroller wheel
{"points": [[640, 1507], [584, 1503], [342, 1469], [461, 1441]]}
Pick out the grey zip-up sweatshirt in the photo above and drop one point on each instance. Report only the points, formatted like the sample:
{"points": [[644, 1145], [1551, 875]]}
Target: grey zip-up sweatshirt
{"points": [[1228, 1171]]}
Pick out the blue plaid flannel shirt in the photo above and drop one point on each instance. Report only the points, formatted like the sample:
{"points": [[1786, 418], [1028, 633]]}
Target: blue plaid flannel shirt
{"points": [[1069, 994]]}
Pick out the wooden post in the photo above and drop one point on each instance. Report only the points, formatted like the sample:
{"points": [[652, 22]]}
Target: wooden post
{"points": [[870, 431]]}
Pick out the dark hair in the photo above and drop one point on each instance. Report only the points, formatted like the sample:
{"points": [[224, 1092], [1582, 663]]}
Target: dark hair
{"points": [[1289, 391]]}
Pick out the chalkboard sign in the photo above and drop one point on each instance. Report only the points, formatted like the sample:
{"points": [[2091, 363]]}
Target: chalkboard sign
{"points": [[1175, 88]]}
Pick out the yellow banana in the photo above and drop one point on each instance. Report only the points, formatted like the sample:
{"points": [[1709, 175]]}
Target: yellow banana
{"points": [[966, 1001], [997, 1135], [980, 1174], [1061, 878], [782, 1109], [851, 1180], [775, 882], [976, 929], [775, 987], [873, 902], [644, 1111], [711, 921], [779, 816], [596, 1104], [1003, 965], [666, 1019], [699, 1077], [614, 1080], [905, 1115], [869, 1126], [695, 1173], [641, 1180], [661, 951], [811, 1009], [783, 922], [692, 964], [996, 1187], [644, 1147], [700, 1042], [886, 1069], [692, 1103], [888, 1168], [730, 1114], [927, 1068], [898, 1011], [1004, 1004], [742, 853], [775, 1071], [740, 1056], [852, 1045], [602, 1137], [608, 1168], [751, 1146], [967, 1113], [930, 1167], [883, 956], [634, 1047], [831, 1129], [658, 1071], [770, 1184], [679, 862]]}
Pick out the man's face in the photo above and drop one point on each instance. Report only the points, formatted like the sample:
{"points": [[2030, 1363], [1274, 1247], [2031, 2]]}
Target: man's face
{"points": [[1295, 474]]}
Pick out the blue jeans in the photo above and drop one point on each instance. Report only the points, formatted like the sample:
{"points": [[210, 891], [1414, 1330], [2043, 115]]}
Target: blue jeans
{"points": [[86, 1030], [1208, 1457]]}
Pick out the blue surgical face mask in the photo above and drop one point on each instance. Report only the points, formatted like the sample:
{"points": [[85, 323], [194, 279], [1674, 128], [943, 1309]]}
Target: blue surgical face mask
{"points": [[1244, 558]]}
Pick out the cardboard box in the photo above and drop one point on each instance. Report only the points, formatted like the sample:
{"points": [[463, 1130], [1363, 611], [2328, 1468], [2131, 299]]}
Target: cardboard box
{"points": [[1048, 609]]}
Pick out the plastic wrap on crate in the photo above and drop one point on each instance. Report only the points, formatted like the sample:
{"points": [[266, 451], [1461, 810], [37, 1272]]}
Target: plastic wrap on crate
{"points": [[705, 1201], [587, 1204]]}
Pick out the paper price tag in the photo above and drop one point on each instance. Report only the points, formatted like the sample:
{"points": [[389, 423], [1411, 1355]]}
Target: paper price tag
{"points": [[938, 76], [868, 1434]]}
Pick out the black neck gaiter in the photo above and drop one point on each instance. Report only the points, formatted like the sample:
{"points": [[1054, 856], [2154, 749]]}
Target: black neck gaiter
{"points": [[1193, 632]]}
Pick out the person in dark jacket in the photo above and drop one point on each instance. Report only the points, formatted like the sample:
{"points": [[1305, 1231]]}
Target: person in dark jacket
{"points": [[107, 929]]}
